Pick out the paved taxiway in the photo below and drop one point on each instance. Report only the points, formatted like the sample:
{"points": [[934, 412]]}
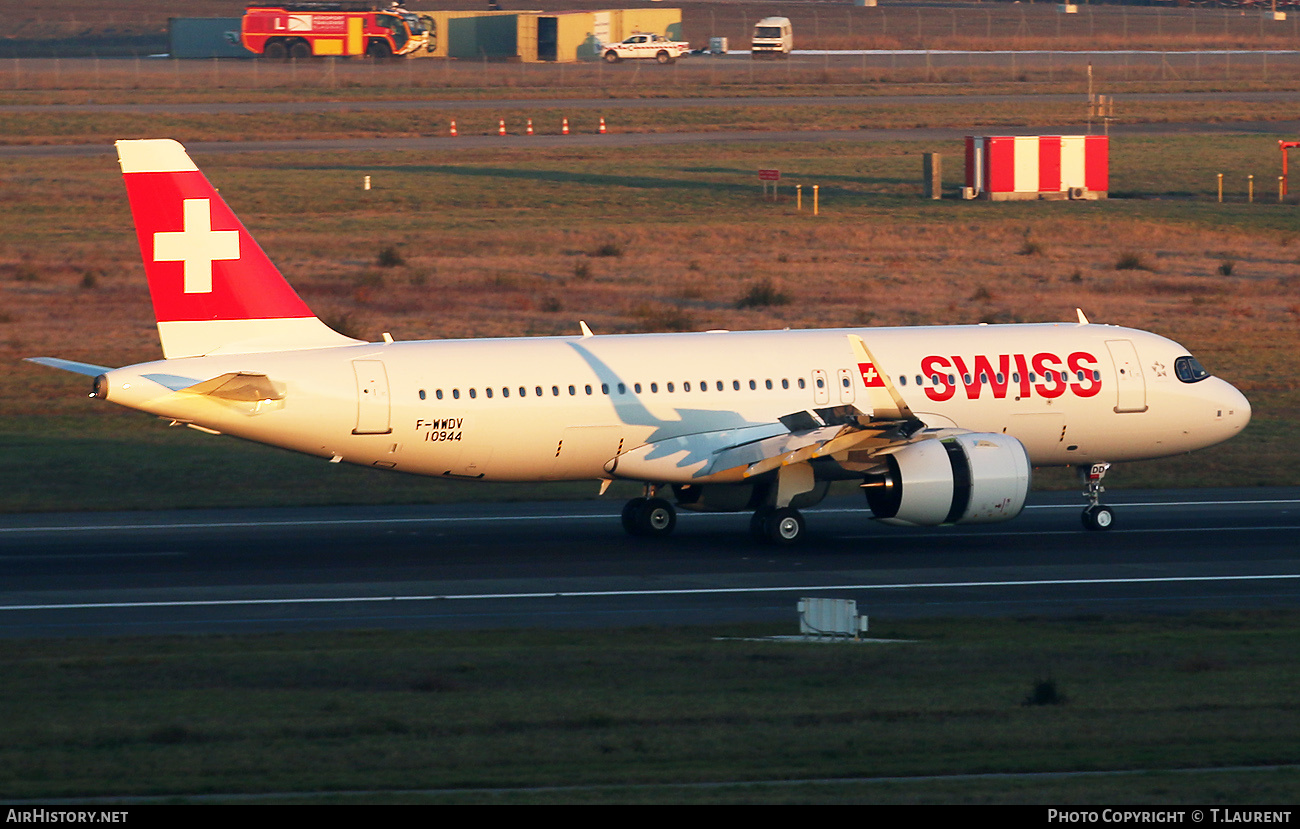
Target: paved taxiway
{"points": [[569, 564]]}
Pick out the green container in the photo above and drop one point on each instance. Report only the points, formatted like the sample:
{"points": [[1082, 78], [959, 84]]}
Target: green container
{"points": [[205, 37]]}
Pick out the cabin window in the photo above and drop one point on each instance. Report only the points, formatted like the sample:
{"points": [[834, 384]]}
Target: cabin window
{"points": [[455, 394], [523, 392], [821, 384], [438, 394], [555, 391], [473, 393], [572, 391], [752, 385], [686, 386], [488, 392], [587, 388], [670, 388], [902, 379], [622, 389], [802, 384], [421, 394], [604, 388], [636, 387], [769, 384], [720, 385], [785, 383], [654, 388], [735, 384], [505, 391]]}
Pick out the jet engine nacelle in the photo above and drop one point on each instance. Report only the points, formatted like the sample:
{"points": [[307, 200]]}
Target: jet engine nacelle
{"points": [[966, 478]]}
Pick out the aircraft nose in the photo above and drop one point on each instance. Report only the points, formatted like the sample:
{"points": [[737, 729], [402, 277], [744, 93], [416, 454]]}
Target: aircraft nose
{"points": [[1235, 411]]}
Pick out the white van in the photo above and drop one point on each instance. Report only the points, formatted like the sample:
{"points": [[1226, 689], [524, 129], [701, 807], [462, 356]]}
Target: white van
{"points": [[772, 38]]}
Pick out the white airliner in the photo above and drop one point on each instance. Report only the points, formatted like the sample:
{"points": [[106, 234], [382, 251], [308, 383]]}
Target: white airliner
{"points": [[939, 424]]}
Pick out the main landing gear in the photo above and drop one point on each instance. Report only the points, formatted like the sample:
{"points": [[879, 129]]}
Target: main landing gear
{"points": [[653, 517], [1096, 516], [780, 526], [649, 516]]}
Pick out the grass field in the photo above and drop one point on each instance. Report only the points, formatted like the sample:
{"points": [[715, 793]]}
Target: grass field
{"points": [[505, 242], [627, 716]]}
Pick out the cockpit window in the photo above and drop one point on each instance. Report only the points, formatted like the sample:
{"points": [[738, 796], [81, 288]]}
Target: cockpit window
{"points": [[1189, 370]]}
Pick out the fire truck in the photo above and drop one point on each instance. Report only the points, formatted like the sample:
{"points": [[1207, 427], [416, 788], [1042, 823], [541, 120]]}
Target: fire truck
{"points": [[304, 30]]}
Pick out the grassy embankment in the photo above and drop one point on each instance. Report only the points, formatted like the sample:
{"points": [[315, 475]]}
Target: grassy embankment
{"points": [[522, 242], [630, 713]]}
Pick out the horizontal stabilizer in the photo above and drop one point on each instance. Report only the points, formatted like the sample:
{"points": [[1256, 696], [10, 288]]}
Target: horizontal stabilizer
{"points": [[239, 386], [88, 369]]}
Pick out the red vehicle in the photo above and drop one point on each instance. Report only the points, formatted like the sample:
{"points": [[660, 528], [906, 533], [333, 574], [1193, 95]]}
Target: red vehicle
{"points": [[304, 30]]}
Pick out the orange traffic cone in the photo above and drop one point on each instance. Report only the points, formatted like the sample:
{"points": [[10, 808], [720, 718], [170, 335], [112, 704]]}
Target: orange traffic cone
{"points": [[501, 130], [453, 130], [564, 127], [602, 126], [530, 126]]}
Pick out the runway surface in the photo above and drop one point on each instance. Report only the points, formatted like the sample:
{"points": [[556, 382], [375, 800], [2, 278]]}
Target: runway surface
{"points": [[569, 564]]}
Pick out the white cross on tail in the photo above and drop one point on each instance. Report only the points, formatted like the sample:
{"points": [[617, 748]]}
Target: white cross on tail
{"points": [[198, 246]]}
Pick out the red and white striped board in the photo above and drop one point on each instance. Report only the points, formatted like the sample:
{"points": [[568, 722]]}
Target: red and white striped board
{"points": [[1038, 166]]}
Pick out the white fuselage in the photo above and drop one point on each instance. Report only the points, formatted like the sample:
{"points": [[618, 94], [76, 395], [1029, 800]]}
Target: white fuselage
{"points": [[564, 407]]}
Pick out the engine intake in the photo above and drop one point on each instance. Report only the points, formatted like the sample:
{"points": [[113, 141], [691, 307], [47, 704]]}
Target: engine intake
{"points": [[970, 478]]}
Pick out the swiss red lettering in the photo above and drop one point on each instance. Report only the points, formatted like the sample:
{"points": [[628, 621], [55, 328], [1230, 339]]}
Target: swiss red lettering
{"points": [[1081, 362], [1044, 375], [1049, 368], [939, 367]]}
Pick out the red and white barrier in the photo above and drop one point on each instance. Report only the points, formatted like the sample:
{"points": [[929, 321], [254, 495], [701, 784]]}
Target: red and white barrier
{"points": [[1037, 167]]}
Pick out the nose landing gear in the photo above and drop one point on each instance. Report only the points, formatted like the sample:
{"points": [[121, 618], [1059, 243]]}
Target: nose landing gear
{"points": [[1096, 516]]}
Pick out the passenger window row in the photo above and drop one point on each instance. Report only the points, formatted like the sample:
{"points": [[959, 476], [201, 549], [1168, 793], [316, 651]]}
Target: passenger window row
{"points": [[587, 389]]}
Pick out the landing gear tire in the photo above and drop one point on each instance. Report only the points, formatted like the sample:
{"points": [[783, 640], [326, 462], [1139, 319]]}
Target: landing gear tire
{"points": [[1098, 517], [655, 518], [758, 524], [784, 527], [781, 527], [630, 511]]}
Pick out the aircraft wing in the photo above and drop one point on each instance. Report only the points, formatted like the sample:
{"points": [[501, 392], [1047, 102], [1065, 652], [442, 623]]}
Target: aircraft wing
{"points": [[736, 455]]}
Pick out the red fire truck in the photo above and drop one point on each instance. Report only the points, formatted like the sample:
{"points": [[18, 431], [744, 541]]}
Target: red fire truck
{"points": [[304, 30]]}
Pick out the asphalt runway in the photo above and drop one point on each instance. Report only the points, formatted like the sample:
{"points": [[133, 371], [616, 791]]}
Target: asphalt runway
{"points": [[480, 566]]}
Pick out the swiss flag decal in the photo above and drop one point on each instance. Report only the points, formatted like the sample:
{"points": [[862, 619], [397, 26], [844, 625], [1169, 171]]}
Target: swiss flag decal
{"points": [[870, 377]]}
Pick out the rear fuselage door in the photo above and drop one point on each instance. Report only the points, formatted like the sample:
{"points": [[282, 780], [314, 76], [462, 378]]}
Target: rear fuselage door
{"points": [[373, 405]]}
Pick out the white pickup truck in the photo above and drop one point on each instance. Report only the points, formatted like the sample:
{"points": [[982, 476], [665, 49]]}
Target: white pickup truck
{"points": [[644, 45]]}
